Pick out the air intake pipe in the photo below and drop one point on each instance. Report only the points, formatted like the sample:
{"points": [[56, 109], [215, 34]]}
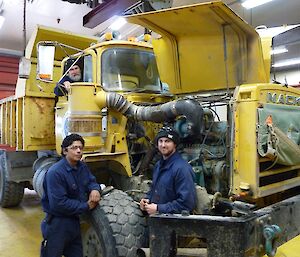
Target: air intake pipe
{"points": [[190, 109]]}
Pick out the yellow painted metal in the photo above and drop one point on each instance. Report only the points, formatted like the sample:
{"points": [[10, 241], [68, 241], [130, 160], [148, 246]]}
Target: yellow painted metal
{"points": [[116, 140], [12, 131], [266, 43], [80, 115], [19, 124], [43, 33], [34, 87], [204, 47], [289, 249], [245, 153], [38, 124], [27, 119], [61, 109], [3, 122], [246, 160], [7, 123], [84, 117]]}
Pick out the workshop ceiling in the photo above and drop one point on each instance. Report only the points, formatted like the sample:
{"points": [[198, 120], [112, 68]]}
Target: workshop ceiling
{"points": [[69, 16]]}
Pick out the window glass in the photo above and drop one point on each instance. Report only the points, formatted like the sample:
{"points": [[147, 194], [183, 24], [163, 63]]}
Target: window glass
{"points": [[86, 67], [129, 70], [286, 57]]}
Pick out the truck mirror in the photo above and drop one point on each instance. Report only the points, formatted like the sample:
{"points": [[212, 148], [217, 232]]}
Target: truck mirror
{"points": [[45, 62], [24, 68]]}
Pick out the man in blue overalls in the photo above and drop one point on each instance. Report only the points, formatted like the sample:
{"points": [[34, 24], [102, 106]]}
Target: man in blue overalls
{"points": [[172, 189], [69, 190]]}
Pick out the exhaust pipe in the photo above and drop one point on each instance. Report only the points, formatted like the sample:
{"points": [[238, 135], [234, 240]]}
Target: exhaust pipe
{"points": [[189, 108]]}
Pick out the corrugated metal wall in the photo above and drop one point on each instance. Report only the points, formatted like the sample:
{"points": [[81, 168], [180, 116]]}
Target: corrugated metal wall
{"points": [[9, 66]]}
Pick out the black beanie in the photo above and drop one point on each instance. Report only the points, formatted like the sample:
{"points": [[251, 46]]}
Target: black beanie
{"points": [[168, 132], [71, 61]]}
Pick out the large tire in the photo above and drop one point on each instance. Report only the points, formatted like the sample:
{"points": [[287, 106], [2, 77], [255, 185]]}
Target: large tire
{"points": [[11, 193], [117, 229], [40, 167]]}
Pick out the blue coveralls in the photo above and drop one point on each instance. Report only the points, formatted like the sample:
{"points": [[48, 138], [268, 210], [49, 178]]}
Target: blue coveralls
{"points": [[60, 90], [66, 191], [173, 188]]}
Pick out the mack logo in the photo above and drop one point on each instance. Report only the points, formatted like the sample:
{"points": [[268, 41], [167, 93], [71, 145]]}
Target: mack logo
{"points": [[283, 99]]}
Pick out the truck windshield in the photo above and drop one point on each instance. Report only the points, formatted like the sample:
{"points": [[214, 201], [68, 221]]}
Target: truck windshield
{"points": [[129, 70]]}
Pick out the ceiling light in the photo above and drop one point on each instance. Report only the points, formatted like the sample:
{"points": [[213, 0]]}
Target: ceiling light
{"points": [[263, 31], [286, 63], [279, 50], [248, 4], [1, 21], [118, 23]]}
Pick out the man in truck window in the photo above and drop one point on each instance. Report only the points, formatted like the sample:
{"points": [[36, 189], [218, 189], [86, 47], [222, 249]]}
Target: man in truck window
{"points": [[172, 189], [69, 190], [74, 75]]}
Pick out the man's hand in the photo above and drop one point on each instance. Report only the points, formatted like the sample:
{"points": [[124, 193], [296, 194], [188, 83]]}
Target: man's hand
{"points": [[94, 196], [151, 208], [67, 85], [143, 202], [92, 204]]}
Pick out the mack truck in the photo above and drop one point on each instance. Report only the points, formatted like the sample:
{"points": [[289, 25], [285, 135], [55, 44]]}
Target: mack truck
{"points": [[206, 73]]}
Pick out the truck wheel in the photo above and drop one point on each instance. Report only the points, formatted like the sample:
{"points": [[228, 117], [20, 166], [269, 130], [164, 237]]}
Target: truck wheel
{"points": [[117, 228], [40, 167], [11, 193]]}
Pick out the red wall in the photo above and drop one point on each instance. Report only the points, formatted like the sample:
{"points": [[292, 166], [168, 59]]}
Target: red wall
{"points": [[9, 67]]}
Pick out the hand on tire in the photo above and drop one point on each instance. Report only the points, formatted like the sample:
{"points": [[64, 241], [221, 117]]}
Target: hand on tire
{"points": [[94, 199], [151, 208], [143, 203], [92, 204], [94, 196]]}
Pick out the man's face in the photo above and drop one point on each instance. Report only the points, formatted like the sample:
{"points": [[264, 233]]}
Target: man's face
{"points": [[74, 152], [75, 73], [166, 147]]}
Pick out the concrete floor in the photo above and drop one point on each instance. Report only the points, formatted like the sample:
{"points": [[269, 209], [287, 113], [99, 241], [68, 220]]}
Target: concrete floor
{"points": [[20, 234]]}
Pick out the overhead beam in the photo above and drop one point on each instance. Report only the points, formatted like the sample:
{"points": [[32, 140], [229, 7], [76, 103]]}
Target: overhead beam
{"points": [[104, 11]]}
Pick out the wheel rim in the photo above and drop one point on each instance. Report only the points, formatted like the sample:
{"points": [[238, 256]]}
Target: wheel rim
{"points": [[91, 244]]}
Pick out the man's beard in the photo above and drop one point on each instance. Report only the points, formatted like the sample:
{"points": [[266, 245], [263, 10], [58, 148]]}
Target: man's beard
{"points": [[76, 77]]}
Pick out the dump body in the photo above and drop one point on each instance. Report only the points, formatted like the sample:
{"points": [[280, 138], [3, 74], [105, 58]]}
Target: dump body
{"points": [[27, 119]]}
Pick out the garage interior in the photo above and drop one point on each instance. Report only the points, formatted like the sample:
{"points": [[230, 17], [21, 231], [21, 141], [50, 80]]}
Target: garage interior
{"points": [[20, 226]]}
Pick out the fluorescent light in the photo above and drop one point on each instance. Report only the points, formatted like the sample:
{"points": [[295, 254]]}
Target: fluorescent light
{"points": [[118, 23], [287, 63], [1, 21], [280, 50], [272, 32], [248, 4]]}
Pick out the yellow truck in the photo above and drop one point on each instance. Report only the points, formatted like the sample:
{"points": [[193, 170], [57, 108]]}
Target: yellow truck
{"points": [[208, 76]]}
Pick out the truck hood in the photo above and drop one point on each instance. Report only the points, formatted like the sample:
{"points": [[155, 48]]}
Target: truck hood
{"points": [[204, 47]]}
